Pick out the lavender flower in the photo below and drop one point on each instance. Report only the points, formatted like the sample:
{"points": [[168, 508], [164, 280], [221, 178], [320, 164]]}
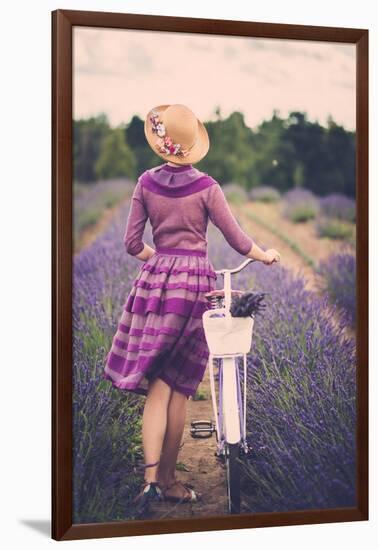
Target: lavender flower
{"points": [[90, 200], [300, 205], [301, 417], [339, 272], [106, 421], [248, 304], [301, 389], [338, 206]]}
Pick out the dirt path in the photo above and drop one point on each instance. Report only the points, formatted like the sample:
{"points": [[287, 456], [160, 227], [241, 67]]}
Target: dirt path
{"points": [[303, 234], [206, 474], [266, 238]]}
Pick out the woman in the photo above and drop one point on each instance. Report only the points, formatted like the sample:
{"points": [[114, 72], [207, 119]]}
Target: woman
{"points": [[159, 349]]}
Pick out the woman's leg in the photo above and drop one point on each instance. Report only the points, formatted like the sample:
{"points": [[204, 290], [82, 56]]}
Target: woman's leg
{"points": [[175, 428], [154, 424]]}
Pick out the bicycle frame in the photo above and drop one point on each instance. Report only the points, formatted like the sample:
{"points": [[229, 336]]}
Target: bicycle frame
{"points": [[228, 338], [230, 423], [230, 415]]}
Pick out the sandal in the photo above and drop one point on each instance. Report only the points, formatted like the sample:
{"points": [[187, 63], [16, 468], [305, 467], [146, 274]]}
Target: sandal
{"points": [[191, 495], [150, 491]]}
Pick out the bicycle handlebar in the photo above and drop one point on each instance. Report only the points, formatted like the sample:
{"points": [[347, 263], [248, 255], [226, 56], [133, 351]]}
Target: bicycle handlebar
{"points": [[236, 269]]}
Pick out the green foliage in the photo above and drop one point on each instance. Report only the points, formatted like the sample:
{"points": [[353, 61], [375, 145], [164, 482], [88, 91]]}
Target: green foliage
{"points": [[230, 154], [201, 395], [326, 154], [235, 193], [283, 152], [300, 205], [135, 137], [89, 218], [90, 201], [110, 199], [264, 193], [279, 152], [302, 213], [298, 175], [88, 135], [335, 229], [181, 467], [116, 158], [274, 156]]}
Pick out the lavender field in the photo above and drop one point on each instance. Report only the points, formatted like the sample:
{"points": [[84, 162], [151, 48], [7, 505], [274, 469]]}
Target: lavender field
{"points": [[301, 383], [301, 413], [107, 442], [91, 199], [339, 274]]}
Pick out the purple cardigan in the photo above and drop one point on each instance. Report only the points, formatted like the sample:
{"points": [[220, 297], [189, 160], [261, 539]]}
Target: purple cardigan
{"points": [[178, 201]]}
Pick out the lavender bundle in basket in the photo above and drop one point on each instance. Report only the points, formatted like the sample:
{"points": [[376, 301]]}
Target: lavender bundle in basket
{"points": [[248, 304]]}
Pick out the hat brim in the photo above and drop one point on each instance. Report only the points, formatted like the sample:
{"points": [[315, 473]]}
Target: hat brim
{"points": [[196, 153]]}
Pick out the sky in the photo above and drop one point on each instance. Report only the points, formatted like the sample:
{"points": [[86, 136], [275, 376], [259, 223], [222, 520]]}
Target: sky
{"points": [[128, 72]]}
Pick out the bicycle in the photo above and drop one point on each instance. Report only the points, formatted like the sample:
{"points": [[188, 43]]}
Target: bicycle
{"points": [[227, 338]]}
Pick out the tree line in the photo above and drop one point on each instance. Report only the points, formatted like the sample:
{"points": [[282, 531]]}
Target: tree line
{"points": [[280, 152]]}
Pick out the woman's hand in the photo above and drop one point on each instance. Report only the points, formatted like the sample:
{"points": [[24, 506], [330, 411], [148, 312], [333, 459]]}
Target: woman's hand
{"points": [[146, 253], [271, 256], [266, 256]]}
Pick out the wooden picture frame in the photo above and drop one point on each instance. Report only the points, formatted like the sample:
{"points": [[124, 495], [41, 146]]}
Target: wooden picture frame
{"points": [[63, 22]]}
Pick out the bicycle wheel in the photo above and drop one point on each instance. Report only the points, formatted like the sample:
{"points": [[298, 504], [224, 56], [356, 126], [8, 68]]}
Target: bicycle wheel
{"points": [[233, 477]]}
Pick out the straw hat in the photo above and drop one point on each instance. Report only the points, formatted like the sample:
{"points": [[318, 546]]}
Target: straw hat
{"points": [[175, 134]]}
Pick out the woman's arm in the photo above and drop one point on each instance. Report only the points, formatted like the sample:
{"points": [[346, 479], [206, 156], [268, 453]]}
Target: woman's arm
{"points": [[222, 217], [256, 253], [136, 223]]}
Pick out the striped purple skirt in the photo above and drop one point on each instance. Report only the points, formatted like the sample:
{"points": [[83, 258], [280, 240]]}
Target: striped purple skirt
{"points": [[160, 332]]}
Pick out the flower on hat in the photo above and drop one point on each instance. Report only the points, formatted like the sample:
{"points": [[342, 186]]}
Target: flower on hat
{"points": [[160, 129], [165, 143]]}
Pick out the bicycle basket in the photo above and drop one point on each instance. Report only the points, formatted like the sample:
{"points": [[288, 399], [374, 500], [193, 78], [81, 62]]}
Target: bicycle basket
{"points": [[225, 334]]}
